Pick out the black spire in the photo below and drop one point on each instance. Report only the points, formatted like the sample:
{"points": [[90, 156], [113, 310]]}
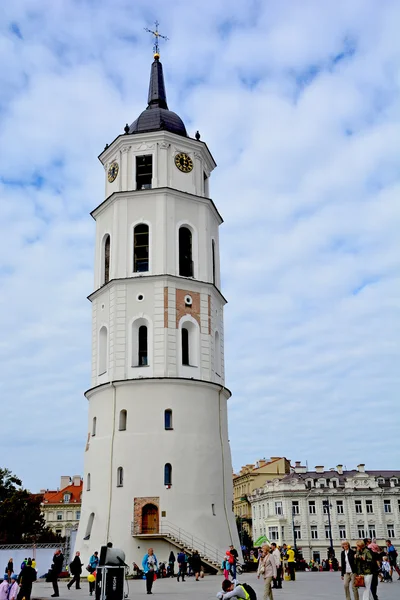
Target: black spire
{"points": [[157, 96]]}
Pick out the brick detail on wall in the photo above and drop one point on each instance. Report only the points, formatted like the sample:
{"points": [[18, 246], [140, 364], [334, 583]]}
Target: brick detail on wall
{"points": [[138, 504], [182, 310], [166, 307], [209, 315]]}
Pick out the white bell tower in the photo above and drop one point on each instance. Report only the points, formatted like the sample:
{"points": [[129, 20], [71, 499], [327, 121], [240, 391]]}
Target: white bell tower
{"points": [[157, 462]]}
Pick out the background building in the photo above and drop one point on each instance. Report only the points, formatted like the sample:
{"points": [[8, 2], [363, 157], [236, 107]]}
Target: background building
{"points": [[62, 508], [308, 508]]}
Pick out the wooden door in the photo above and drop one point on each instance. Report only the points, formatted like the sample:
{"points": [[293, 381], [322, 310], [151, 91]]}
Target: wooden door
{"points": [[150, 519]]}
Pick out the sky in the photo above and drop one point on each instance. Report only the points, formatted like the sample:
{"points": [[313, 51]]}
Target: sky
{"points": [[299, 102]]}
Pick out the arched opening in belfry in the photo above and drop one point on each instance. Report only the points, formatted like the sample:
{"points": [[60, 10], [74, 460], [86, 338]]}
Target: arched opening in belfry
{"points": [[106, 259], [141, 248], [185, 252]]}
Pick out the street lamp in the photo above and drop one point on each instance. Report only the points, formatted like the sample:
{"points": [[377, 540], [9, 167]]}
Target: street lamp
{"points": [[328, 507]]}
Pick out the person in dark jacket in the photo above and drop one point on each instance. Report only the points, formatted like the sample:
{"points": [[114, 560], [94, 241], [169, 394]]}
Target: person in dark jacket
{"points": [[10, 568], [348, 570], [182, 563], [171, 564], [56, 568], [76, 570], [195, 563], [25, 580]]}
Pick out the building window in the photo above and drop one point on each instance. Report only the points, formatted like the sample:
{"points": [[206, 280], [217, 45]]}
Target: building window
{"points": [[89, 527], [213, 260], [295, 507], [123, 416], [387, 506], [185, 252], [144, 172], [358, 506], [217, 350], [334, 483], [168, 475], [88, 482], [309, 484], [361, 532], [314, 532], [398, 503], [168, 419], [142, 346], [371, 531], [327, 532], [297, 533], [141, 248], [278, 508], [67, 498], [213, 510], [311, 507], [325, 507], [185, 346], [369, 506], [58, 531], [273, 534], [94, 424], [342, 532], [120, 477], [103, 350], [59, 516], [390, 531], [339, 507], [206, 186], [106, 260], [381, 480], [78, 515]]}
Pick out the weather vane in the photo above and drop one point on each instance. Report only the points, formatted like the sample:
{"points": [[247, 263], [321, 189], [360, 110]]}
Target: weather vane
{"points": [[157, 36]]}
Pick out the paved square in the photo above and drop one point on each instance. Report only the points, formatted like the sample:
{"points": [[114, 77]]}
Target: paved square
{"points": [[327, 586]]}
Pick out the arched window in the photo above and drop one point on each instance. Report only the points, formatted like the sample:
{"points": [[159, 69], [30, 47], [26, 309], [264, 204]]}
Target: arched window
{"points": [[141, 248], [213, 260], [94, 424], [168, 419], [185, 346], [120, 477], [122, 420], [106, 259], [168, 474], [142, 346], [185, 252], [88, 482], [217, 350], [89, 527], [103, 350]]}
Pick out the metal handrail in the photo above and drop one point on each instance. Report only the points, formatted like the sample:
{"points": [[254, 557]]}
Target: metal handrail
{"points": [[188, 539]]}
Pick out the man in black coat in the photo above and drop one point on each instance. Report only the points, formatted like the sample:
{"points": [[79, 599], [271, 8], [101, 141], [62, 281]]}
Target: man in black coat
{"points": [[25, 580], [76, 570], [56, 568], [348, 568]]}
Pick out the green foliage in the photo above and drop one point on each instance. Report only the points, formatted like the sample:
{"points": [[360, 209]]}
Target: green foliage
{"points": [[21, 519]]}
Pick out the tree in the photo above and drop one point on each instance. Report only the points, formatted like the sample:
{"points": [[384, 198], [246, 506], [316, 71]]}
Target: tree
{"points": [[21, 518]]}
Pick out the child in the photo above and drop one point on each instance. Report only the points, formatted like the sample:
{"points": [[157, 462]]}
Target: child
{"points": [[226, 566], [14, 587], [4, 587], [386, 570]]}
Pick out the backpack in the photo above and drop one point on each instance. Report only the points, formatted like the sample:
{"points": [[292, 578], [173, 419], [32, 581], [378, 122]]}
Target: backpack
{"points": [[249, 590]]}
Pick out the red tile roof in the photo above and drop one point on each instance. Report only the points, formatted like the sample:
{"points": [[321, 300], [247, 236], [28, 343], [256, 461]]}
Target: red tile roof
{"points": [[57, 496]]}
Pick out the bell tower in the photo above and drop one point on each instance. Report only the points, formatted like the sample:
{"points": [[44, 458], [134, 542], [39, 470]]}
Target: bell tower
{"points": [[157, 459]]}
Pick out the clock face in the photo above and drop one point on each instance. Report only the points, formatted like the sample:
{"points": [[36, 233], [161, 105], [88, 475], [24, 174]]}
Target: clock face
{"points": [[113, 172], [183, 162]]}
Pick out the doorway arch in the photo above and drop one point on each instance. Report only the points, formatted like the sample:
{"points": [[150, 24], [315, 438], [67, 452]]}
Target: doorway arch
{"points": [[150, 520]]}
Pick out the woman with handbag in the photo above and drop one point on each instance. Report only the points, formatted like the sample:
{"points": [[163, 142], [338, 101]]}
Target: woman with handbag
{"points": [[267, 568], [364, 568]]}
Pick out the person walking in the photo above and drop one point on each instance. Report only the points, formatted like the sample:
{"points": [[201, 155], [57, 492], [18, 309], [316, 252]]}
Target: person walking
{"points": [[94, 561], [364, 566], [25, 580], [226, 566], [14, 588], [233, 552], [392, 556], [150, 565], [276, 555], [171, 564], [182, 565], [195, 562], [267, 569], [56, 568], [348, 570], [10, 568], [76, 570], [291, 563]]}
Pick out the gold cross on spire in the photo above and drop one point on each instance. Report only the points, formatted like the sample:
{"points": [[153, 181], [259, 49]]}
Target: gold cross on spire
{"points": [[157, 36]]}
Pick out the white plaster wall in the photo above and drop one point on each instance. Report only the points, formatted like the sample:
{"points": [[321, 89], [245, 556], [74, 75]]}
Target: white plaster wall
{"points": [[197, 449]]}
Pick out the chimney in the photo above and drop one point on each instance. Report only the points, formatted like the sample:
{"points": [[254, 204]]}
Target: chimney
{"points": [[297, 463], [361, 468], [262, 462], [339, 469], [65, 481], [76, 480], [319, 469], [299, 468]]}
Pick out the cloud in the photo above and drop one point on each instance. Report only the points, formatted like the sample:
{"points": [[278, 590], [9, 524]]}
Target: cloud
{"points": [[299, 104]]}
